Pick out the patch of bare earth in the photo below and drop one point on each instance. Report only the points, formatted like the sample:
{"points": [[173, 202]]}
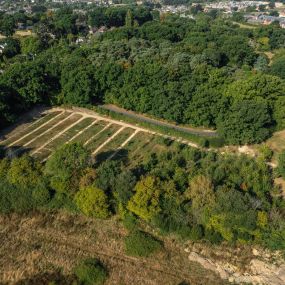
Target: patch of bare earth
{"points": [[45, 243], [280, 182]]}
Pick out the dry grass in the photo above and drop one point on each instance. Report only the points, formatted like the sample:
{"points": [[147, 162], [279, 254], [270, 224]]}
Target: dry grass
{"points": [[280, 182], [277, 141], [40, 243]]}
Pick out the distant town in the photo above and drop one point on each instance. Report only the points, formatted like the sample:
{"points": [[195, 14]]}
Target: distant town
{"points": [[253, 12]]}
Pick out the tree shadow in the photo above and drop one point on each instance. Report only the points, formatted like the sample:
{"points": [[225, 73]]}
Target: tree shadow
{"points": [[48, 278], [13, 151], [117, 155], [25, 118]]}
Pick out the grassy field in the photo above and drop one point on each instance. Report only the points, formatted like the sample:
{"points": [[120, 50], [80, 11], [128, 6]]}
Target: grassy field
{"points": [[56, 242], [103, 137]]}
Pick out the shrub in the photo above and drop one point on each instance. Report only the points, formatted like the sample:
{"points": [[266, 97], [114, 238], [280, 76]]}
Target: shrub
{"points": [[265, 152], [92, 202], [129, 221], [281, 164], [91, 272], [141, 244], [15, 199], [213, 237], [65, 167], [196, 232], [41, 195]]}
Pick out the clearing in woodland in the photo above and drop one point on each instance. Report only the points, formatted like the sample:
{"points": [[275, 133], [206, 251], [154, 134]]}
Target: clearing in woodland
{"points": [[105, 138]]}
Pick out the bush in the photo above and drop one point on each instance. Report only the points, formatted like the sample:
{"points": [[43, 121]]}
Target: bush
{"points": [[92, 202], [15, 199], [91, 272], [141, 244], [281, 164], [265, 152], [196, 233], [130, 221], [41, 195], [213, 237]]}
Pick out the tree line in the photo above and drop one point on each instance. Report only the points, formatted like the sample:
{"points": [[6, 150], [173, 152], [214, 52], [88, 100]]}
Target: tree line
{"points": [[203, 72]]}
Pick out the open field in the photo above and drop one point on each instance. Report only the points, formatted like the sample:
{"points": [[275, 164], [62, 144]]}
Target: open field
{"points": [[105, 138], [55, 242]]}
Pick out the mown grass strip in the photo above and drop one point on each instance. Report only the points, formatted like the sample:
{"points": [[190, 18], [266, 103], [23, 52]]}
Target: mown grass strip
{"points": [[85, 136], [114, 145], [54, 131], [70, 133], [42, 129], [33, 125], [98, 140]]}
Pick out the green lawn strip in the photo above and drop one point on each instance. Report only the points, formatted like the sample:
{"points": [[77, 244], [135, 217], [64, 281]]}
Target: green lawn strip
{"points": [[41, 130], [44, 153], [21, 132], [65, 137], [85, 136], [50, 134], [114, 144], [102, 137], [135, 148]]}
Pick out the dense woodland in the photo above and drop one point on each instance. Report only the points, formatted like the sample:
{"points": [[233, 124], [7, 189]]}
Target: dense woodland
{"points": [[203, 72], [182, 191]]}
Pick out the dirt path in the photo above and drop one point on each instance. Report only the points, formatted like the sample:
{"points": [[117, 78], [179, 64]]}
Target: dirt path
{"points": [[107, 141], [36, 129], [93, 137], [124, 144], [82, 131], [58, 135]]}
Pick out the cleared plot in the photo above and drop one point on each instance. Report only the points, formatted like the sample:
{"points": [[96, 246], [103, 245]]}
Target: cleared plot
{"points": [[28, 136], [114, 145], [66, 136], [90, 132], [43, 154], [102, 137], [134, 150], [36, 142], [105, 139], [21, 131]]}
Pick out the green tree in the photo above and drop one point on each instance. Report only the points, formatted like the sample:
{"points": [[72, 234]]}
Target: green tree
{"points": [[145, 201], [11, 47], [91, 272], [31, 45], [28, 80], [65, 167], [281, 164], [277, 67], [92, 202], [201, 192], [129, 20], [24, 172], [245, 122], [7, 25], [77, 86]]}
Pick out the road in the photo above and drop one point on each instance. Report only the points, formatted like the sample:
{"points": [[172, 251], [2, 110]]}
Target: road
{"points": [[193, 131]]}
